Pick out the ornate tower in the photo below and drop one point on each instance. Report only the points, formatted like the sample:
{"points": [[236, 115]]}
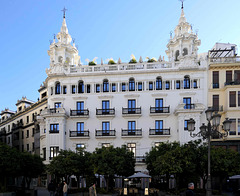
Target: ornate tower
{"points": [[62, 53], [183, 47]]}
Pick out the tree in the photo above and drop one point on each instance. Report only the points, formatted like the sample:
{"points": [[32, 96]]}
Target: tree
{"points": [[109, 161], [31, 167]]}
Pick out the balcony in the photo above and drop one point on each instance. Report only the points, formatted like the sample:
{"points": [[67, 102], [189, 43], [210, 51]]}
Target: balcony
{"points": [[162, 111], [17, 126], [234, 82], [130, 132], [140, 159], [130, 112], [84, 133], [160, 132], [216, 108], [189, 106], [215, 85], [105, 133], [79, 113], [107, 112]]}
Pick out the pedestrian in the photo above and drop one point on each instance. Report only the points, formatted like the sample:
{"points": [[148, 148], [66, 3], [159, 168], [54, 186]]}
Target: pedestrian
{"points": [[51, 188], [65, 188], [92, 190], [190, 189], [59, 190]]}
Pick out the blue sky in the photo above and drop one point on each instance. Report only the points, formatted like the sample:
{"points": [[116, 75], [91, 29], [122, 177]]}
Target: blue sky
{"points": [[101, 28]]}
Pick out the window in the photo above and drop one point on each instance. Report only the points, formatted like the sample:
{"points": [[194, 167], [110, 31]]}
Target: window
{"points": [[54, 128], [195, 84], [132, 148], [57, 88], [33, 146], [22, 134], [57, 105], [33, 131], [80, 146], [228, 76], [239, 126], [158, 105], [216, 102], [64, 90], [187, 101], [73, 89], [105, 128], [43, 95], [131, 106], [113, 87], [140, 86], [158, 125], [33, 116], [238, 98], [27, 119], [97, 88], [27, 147], [215, 79], [237, 75], [131, 84], [233, 127], [123, 86], [159, 83], [186, 82], [106, 145], [232, 99], [54, 151], [105, 107], [80, 128], [178, 86], [105, 86], [186, 125], [80, 87], [150, 86], [185, 51], [88, 88], [131, 125], [27, 134], [44, 154], [167, 85], [80, 106], [176, 55]]}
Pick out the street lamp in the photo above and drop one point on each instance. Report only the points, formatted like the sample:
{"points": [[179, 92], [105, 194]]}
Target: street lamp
{"points": [[208, 131]]}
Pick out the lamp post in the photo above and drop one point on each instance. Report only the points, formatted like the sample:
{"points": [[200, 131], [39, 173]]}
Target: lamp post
{"points": [[208, 131]]}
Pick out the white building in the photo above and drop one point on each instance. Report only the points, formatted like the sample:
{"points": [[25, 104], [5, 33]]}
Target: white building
{"points": [[133, 104]]}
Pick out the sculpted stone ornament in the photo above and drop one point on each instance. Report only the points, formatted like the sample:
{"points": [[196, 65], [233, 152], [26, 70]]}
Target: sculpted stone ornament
{"points": [[188, 62]]}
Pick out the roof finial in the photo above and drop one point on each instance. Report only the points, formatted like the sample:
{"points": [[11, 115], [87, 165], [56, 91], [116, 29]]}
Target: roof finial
{"points": [[182, 3], [64, 11]]}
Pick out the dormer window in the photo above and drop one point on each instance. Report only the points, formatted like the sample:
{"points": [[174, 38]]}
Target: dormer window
{"points": [[185, 51]]}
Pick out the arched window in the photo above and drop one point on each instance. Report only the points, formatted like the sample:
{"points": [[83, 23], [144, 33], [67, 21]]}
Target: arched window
{"points": [[176, 55], [80, 86], [60, 59], [131, 84], [105, 85], [57, 88], [159, 83], [186, 82], [185, 51]]}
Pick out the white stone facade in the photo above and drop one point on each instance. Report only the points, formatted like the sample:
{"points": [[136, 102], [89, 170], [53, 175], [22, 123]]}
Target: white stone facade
{"points": [[137, 104]]}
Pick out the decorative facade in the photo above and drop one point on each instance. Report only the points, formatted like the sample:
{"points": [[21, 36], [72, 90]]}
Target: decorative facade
{"points": [[134, 104]]}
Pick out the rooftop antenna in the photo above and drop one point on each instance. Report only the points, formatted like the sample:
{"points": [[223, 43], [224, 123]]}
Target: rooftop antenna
{"points": [[64, 11], [73, 40], [54, 36]]}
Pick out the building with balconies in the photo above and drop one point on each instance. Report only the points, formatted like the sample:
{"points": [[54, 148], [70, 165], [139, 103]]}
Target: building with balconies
{"points": [[224, 90], [137, 104]]}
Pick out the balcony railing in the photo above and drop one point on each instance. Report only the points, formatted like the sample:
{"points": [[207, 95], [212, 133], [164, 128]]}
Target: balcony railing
{"points": [[130, 132], [160, 109], [110, 111], [159, 131], [140, 159], [105, 133], [52, 110], [131, 110], [53, 131], [79, 112], [216, 108], [215, 85], [234, 82], [189, 106], [84, 133]]}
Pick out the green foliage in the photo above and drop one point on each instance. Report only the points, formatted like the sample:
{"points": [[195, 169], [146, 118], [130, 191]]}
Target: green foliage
{"points": [[91, 63], [133, 61], [111, 62], [151, 60]]}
